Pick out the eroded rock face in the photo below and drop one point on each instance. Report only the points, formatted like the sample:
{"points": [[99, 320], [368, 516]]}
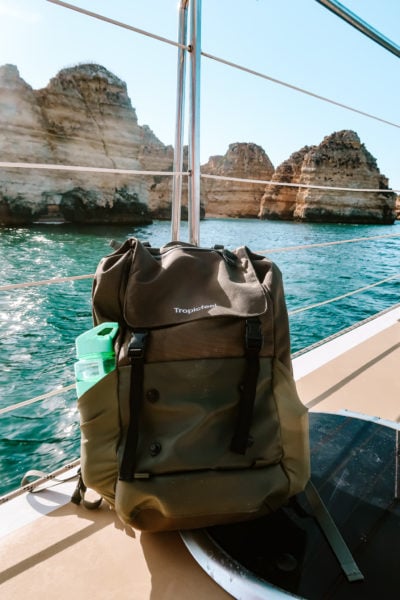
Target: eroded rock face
{"points": [[236, 199], [160, 205], [341, 160], [279, 201], [83, 117], [22, 139]]}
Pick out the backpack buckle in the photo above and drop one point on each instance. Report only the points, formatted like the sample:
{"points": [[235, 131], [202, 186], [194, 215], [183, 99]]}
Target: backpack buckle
{"points": [[137, 344], [253, 335]]}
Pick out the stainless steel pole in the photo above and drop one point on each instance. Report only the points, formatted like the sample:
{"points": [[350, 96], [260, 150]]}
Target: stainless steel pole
{"points": [[194, 138], [179, 128], [347, 15]]}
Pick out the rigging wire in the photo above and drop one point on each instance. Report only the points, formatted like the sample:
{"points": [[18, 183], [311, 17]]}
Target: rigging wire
{"points": [[298, 89], [56, 167], [32, 486], [100, 17], [324, 244], [81, 168], [12, 286], [223, 61], [342, 296], [298, 185], [290, 312], [56, 392], [163, 173]]}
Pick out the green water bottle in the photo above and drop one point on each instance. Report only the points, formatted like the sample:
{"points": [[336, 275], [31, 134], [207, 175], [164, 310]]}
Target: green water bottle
{"points": [[95, 354]]}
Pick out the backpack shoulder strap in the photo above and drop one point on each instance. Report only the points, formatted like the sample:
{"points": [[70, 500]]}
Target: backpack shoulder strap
{"points": [[79, 495], [332, 534]]}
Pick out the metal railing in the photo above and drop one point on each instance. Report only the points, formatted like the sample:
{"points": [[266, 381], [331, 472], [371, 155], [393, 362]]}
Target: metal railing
{"points": [[194, 175]]}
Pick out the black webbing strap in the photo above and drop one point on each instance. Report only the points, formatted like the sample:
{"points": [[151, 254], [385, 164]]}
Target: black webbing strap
{"points": [[136, 353], [253, 345]]}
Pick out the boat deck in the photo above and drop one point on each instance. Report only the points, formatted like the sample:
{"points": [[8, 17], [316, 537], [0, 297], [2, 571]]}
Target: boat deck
{"points": [[54, 549], [357, 371]]}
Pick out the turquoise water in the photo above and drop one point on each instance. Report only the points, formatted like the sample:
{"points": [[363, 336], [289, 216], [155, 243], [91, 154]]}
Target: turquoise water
{"points": [[39, 324]]}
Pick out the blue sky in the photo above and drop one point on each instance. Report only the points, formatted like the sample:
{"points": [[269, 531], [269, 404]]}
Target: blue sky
{"points": [[297, 41]]}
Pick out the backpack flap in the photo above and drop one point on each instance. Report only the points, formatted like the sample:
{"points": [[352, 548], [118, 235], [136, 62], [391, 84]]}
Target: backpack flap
{"points": [[178, 284]]}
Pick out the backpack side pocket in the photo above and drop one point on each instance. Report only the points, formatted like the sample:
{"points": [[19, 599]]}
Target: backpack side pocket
{"points": [[100, 433]]}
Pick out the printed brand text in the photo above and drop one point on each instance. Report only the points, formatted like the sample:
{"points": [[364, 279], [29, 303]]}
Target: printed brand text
{"points": [[193, 309]]}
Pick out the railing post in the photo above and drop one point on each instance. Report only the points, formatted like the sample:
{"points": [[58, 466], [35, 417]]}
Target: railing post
{"points": [[179, 129], [194, 138], [397, 467], [347, 15]]}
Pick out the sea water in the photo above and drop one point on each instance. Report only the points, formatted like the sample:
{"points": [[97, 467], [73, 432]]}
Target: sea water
{"points": [[39, 324]]}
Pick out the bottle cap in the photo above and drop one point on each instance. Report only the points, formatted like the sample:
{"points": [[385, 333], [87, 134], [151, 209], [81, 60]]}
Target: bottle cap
{"points": [[98, 340]]}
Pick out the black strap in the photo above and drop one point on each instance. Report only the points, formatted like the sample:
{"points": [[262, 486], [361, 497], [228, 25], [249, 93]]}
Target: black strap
{"points": [[253, 345], [79, 495], [136, 353]]}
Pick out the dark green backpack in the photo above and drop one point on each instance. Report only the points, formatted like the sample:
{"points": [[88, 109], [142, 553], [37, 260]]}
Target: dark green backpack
{"points": [[199, 423]]}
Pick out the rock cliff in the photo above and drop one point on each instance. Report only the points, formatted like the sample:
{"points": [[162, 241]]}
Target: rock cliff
{"points": [[231, 198], [341, 160], [279, 201], [83, 117]]}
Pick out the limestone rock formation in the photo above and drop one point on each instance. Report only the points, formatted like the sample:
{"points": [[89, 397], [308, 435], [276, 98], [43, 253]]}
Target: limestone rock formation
{"points": [[341, 160], [279, 201], [236, 199], [83, 117], [161, 193]]}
